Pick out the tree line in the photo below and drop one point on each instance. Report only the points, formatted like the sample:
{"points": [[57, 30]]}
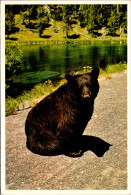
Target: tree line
{"points": [[94, 17]]}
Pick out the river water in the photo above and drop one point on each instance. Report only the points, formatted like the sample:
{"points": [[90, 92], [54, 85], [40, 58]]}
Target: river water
{"points": [[43, 62]]}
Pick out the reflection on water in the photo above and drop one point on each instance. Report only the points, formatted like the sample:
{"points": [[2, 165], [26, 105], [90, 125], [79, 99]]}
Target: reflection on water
{"points": [[66, 58], [43, 62]]}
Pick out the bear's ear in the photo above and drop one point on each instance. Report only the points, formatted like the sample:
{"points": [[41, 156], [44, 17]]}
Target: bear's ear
{"points": [[95, 72], [69, 78]]}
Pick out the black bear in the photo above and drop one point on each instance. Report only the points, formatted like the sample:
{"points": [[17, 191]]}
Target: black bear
{"points": [[56, 123]]}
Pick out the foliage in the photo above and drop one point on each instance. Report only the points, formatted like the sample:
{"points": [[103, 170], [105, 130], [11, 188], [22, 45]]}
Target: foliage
{"points": [[13, 55], [86, 19], [67, 16], [117, 18], [9, 21], [113, 22], [19, 20], [56, 12], [91, 16], [43, 15]]}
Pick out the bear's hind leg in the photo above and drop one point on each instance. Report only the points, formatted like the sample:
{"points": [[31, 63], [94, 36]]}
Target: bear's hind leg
{"points": [[34, 145], [39, 146]]}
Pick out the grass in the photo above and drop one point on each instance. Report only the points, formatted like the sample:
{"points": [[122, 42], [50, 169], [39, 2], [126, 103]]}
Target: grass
{"points": [[37, 91], [47, 87], [116, 68], [76, 35]]}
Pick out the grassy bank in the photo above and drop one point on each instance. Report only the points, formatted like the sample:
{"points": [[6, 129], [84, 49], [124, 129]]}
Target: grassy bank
{"points": [[11, 104], [68, 41]]}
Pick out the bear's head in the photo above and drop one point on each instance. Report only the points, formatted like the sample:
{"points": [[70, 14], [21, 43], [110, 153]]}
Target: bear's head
{"points": [[86, 84]]}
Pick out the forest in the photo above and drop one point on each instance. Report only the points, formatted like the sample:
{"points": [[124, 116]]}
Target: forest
{"points": [[92, 17]]}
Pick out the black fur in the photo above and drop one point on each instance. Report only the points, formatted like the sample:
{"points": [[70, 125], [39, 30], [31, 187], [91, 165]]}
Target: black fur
{"points": [[56, 124]]}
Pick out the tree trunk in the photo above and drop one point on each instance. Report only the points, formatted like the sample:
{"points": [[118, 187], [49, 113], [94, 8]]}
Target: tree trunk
{"points": [[117, 8], [29, 10], [120, 31], [67, 31], [101, 10]]}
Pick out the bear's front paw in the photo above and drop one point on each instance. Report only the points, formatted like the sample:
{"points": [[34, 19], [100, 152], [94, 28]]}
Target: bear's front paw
{"points": [[74, 154]]}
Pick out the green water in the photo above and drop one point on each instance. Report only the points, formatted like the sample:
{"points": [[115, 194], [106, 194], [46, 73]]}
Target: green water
{"points": [[43, 62]]}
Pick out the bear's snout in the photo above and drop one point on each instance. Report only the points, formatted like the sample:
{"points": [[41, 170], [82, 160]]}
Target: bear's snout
{"points": [[86, 93]]}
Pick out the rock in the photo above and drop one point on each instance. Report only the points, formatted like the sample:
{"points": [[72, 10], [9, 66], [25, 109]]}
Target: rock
{"points": [[28, 104], [24, 105]]}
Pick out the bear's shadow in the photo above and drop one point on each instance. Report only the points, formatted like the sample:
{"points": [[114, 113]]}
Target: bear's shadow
{"points": [[94, 144], [89, 143]]}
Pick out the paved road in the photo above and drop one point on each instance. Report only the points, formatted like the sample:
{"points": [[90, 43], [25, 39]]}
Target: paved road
{"points": [[25, 170]]}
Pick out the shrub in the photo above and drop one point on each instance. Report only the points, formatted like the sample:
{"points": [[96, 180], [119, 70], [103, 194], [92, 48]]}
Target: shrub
{"points": [[13, 55]]}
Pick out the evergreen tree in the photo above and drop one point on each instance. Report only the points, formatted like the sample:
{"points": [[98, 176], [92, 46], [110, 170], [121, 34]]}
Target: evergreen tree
{"points": [[29, 13], [56, 12], [43, 17], [123, 17], [113, 21], [9, 20], [89, 16], [67, 11]]}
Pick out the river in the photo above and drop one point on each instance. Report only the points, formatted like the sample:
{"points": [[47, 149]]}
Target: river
{"points": [[43, 62]]}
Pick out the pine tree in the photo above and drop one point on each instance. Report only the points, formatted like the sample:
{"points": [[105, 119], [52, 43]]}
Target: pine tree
{"points": [[9, 20], [67, 11], [43, 17]]}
